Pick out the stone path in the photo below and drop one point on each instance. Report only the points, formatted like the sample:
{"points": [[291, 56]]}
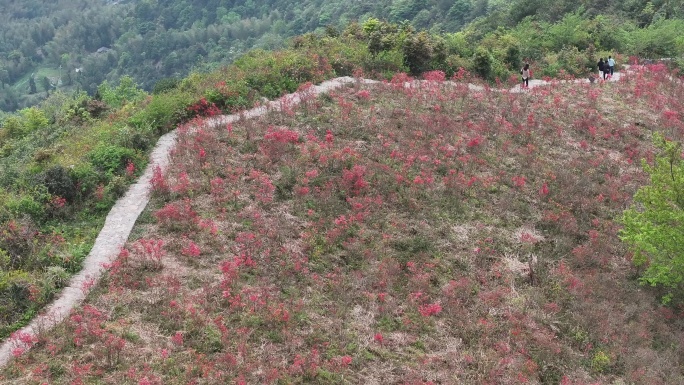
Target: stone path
{"points": [[122, 218], [539, 82]]}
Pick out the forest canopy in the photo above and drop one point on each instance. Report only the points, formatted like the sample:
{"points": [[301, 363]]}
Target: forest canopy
{"points": [[77, 44]]}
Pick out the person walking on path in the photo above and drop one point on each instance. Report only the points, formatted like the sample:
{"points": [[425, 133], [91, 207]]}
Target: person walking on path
{"points": [[611, 65], [602, 69], [526, 74]]}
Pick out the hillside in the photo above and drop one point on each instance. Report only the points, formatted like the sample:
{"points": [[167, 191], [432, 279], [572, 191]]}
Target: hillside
{"points": [[74, 46], [385, 233]]}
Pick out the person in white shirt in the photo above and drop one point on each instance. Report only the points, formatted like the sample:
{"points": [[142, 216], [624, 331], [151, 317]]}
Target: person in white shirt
{"points": [[525, 72], [611, 65]]}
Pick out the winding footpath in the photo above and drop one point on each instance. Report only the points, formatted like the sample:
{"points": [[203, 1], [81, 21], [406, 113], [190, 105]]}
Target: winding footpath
{"points": [[123, 215]]}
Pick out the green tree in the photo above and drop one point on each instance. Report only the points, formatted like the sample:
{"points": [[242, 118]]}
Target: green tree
{"points": [[406, 9], [46, 85], [4, 77], [34, 118], [482, 63], [418, 52], [13, 126], [512, 58], [32, 85], [654, 224], [459, 13], [126, 91]]}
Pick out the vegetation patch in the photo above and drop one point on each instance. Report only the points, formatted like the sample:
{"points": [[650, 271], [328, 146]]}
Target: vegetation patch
{"points": [[328, 252]]}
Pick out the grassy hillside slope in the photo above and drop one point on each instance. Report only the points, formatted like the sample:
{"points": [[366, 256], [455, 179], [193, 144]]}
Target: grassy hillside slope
{"points": [[385, 234]]}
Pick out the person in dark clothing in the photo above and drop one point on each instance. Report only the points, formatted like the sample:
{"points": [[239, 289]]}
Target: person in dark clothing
{"points": [[602, 68]]}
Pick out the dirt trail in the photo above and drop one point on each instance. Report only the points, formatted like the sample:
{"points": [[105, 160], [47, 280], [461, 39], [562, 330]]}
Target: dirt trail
{"points": [[122, 218]]}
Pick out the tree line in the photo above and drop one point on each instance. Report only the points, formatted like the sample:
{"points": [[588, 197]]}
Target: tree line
{"points": [[76, 45]]}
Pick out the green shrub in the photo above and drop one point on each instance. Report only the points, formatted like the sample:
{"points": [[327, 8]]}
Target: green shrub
{"points": [[163, 112], [85, 179], [135, 138], [5, 260], [13, 127], [126, 92], [34, 119], [27, 204], [56, 277], [75, 110], [499, 70], [600, 361], [165, 85], [117, 186], [77, 254], [58, 181], [272, 74], [571, 31], [19, 239], [678, 64], [654, 224], [229, 95], [661, 39], [482, 63], [454, 63], [570, 61], [418, 51], [111, 159], [14, 294], [344, 56], [385, 62]]}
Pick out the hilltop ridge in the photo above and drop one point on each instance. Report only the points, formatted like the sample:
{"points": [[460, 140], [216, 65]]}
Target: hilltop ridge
{"points": [[358, 233]]}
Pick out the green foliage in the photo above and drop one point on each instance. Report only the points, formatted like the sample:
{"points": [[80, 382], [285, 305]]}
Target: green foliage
{"points": [[26, 121], [418, 51], [229, 96], [661, 39], [569, 60], [600, 361], [344, 54], [483, 63], [457, 43], [385, 64], [372, 25], [163, 112], [571, 31], [272, 74], [32, 85], [74, 110], [30, 203], [85, 179], [654, 224], [111, 159], [459, 13], [34, 119], [126, 92], [165, 40], [454, 63], [165, 85], [406, 9], [57, 180], [13, 127]]}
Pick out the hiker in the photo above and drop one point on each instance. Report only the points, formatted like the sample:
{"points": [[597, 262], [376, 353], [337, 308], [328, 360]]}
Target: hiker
{"points": [[526, 73], [602, 67], [611, 65]]}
